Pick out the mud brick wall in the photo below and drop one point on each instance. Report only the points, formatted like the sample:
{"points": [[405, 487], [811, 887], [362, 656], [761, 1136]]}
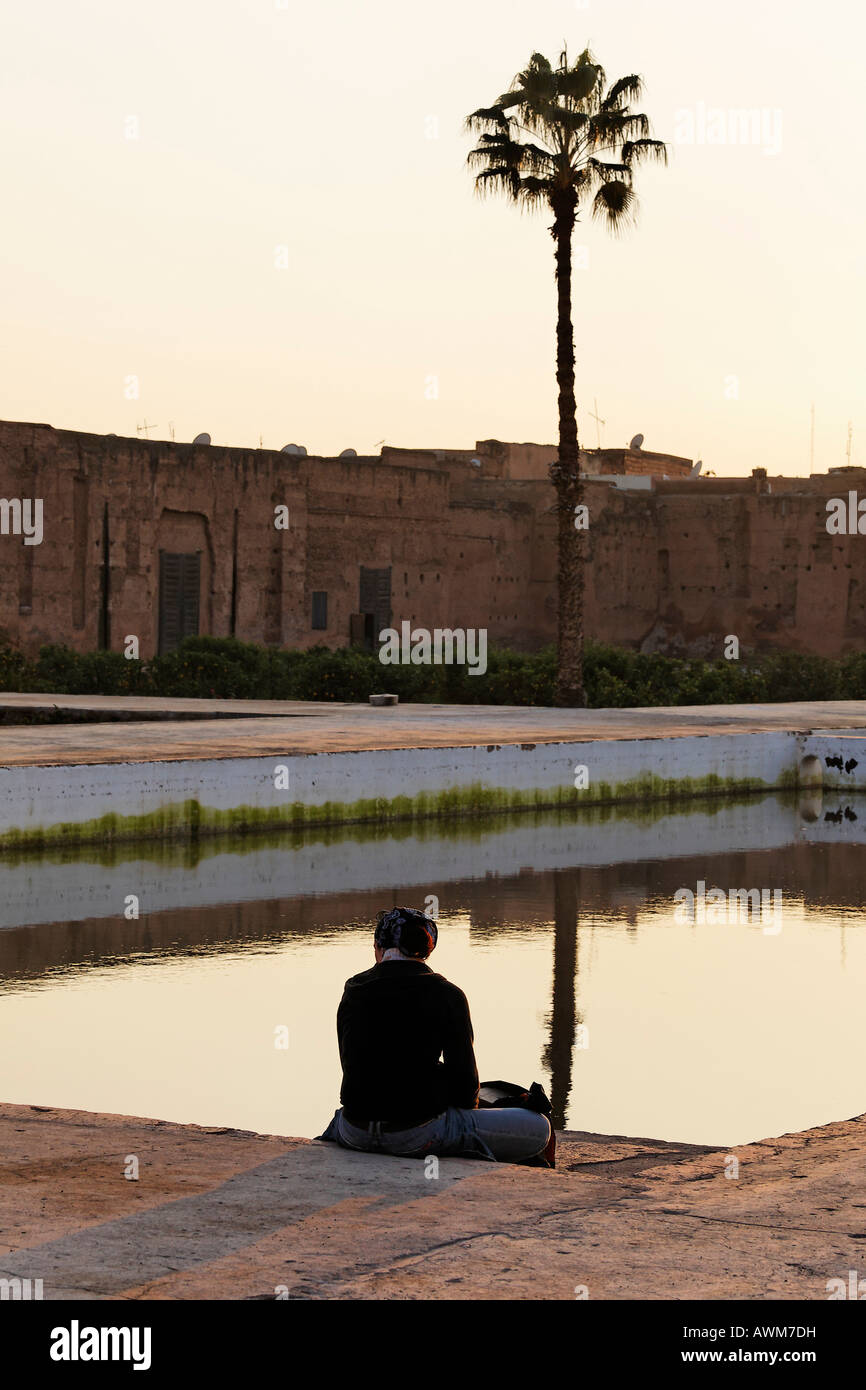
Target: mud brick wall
{"points": [[679, 567], [674, 567], [112, 504]]}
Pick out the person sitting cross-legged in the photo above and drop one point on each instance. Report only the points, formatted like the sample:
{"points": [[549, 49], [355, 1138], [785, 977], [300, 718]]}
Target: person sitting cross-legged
{"points": [[410, 1081]]}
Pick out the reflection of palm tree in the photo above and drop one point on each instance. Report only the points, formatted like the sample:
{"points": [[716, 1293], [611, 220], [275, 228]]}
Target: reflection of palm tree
{"points": [[564, 1016]]}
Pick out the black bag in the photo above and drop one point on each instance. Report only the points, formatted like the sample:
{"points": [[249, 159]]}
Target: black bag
{"points": [[496, 1095]]}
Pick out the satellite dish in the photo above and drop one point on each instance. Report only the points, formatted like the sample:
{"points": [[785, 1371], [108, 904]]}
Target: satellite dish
{"points": [[348, 454], [202, 439], [293, 449], [636, 442], [696, 468], [476, 463]]}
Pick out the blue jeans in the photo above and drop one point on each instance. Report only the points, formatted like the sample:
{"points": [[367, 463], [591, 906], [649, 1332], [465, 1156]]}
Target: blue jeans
{"points": [[505, 1135]]}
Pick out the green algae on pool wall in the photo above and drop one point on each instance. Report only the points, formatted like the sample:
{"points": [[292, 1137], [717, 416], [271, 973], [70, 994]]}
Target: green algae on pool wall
{"points": [[189, 851], [189, 819]]}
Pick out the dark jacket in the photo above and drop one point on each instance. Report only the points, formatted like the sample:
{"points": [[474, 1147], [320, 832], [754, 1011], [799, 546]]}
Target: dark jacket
{"points": [[394, 1023]]}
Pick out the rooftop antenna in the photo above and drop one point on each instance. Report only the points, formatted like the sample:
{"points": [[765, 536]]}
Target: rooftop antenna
{"points": [[598, 421], [143, 429], [848, 445], [812, 438]]}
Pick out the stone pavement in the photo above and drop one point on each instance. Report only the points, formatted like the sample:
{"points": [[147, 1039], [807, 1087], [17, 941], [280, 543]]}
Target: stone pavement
{"points": [[226, 1214], [249, 728]]}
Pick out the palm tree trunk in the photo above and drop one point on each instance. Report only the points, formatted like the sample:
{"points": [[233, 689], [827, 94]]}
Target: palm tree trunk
{"points": [[565, 473]]}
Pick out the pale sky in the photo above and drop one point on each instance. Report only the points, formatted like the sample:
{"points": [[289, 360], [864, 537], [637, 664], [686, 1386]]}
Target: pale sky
{"points": [[156, 155]]}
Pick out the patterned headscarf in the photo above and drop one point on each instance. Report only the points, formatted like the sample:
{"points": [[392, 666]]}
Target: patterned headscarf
{"points": [[407, 930]]}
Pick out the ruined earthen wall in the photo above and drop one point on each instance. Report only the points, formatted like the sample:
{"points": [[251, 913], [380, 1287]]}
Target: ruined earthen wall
{"points": [[679, 568], [676, 567]]}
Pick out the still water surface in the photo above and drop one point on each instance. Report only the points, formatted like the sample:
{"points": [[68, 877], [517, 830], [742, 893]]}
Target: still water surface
{"points": [[581, 969]]}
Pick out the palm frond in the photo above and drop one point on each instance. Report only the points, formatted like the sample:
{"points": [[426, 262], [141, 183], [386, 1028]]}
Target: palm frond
{"points": [[630, 87], [610, 128], [634, 125], [644, 151], [604, 168], [535, 86], [578, 83], [566, 117], [538, 63], [499, 148], [535, 157], [485, 118], [498, 178], [510, 99], [616, 204], [485, 114], [534, 190]]}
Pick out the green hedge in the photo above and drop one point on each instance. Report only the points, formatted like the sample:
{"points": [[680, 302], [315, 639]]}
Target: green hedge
{"points": [[222, 667]]}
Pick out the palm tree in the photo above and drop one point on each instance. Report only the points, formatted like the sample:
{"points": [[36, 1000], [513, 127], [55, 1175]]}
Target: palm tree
{"points": [[560, 137]]}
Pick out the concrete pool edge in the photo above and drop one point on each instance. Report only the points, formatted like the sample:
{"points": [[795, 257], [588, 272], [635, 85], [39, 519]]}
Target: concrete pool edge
{"points": [[45, 804], [219, 1213]]}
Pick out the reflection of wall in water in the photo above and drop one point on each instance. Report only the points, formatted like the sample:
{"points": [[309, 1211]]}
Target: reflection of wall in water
{"points": [[824, 876]]}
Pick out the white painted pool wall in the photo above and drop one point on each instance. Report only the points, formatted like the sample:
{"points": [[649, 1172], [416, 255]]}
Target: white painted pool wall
{"points": [[39, 797]]}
